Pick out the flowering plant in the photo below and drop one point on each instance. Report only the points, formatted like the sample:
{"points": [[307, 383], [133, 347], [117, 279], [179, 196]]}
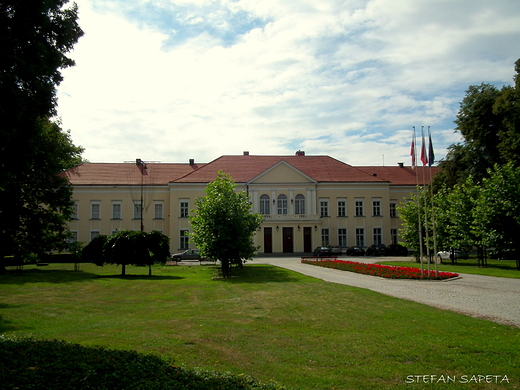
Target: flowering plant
{"points": [[384, 271]]}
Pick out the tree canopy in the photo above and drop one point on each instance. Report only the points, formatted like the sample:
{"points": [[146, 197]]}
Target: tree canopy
{"points": [[34, 200], [489, 122], [128, 247], [482, 214], [223, 224]]}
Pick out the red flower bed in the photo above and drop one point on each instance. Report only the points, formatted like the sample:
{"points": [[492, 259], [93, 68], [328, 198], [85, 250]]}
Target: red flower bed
{"points": [[384, 271]]}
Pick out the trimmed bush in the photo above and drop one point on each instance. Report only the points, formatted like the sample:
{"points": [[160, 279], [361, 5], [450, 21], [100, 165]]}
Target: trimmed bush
{"points": [[40, 364]]}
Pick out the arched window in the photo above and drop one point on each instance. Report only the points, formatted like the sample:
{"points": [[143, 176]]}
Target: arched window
{"points": [[282, 204], [265, 204], [299, 204]]}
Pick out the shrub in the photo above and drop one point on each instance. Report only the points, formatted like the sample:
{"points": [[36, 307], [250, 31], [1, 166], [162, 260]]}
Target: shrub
{"points": [[40, 364]]}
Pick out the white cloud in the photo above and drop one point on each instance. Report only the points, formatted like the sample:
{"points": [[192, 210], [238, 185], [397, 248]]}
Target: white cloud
{"points": [[344, 78]]}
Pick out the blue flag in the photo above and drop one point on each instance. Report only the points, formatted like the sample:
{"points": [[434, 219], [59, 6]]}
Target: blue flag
{"points": [[431, 154]]}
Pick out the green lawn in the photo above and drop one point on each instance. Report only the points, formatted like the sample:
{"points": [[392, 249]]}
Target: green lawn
{"points": [[270, 323], [500, 268]]}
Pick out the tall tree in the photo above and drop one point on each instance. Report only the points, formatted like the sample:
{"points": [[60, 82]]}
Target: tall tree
{"points": [[507, 106], [223, 224], [35, 36], [489, 122]]}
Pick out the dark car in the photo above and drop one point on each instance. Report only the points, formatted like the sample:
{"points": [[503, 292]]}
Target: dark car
{"points": [[190, 254], [376, 250], [396, 250], [322, 251], [355, 251]]}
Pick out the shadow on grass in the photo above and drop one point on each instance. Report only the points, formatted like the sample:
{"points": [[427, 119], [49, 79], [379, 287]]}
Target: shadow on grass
{"points": [[507, 265], [5, 325], [260, 274], [45, 276], [139, 277]]}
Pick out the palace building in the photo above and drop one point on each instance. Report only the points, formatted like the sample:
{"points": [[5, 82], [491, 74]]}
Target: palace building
{"points": [[306, 201]]}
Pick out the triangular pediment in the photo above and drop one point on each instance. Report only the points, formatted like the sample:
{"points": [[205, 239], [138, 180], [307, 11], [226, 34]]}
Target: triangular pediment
{"points": [[282, 172]]}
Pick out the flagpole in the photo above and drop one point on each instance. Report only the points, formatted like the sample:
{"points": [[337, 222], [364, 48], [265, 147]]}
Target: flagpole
{"points": [[419, 227], [424, 160], [431, 160]]}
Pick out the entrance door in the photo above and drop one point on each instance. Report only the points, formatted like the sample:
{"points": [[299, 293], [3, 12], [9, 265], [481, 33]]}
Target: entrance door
{"points": [[288, 240], [307, 239], [268, 240]]}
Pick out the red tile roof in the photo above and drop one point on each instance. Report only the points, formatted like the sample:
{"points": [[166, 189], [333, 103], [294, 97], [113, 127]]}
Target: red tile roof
{"points": [[127, 173], [244, 168], [402, 176]]}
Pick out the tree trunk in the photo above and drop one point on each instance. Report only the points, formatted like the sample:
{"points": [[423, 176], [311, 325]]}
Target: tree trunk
{"points": [[226, 272], [123, 269]]}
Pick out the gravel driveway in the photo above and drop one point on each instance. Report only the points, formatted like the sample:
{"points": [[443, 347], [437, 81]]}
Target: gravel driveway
{"points": [[487, 297]]}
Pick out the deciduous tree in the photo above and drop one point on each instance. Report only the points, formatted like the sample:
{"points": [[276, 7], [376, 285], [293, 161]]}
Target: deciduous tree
{"points": [[35, 37], [489, 122], [223, 224], [128, 247]]}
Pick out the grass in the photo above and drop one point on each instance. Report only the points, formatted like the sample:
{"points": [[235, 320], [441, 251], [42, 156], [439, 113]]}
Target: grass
{"points": [[499, 268], [270, 323]]}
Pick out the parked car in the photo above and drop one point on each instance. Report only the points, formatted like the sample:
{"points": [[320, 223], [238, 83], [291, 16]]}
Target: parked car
{"points": [[445, 255], [190, 254], [396, 250], [335, 250], [376, 250], [322, 251], [355, 251]]}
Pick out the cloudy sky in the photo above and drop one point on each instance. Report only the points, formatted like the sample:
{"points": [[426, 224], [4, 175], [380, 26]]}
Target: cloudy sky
{"points": [[170, 80]]}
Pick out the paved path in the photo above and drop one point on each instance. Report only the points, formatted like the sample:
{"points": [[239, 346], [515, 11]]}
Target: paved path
{"points": [[487, 297]]}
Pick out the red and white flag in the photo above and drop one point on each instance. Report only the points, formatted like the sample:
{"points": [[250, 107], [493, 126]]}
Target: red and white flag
{"points": [[424, 155]]}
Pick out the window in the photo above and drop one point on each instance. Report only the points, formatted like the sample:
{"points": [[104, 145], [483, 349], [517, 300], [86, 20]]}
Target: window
{"points": [[95, 210], [376, 207], [393, 210], [184, 208], [282, 204], [342, 208], [138, 209], [75, 206], [342, 237], [183, 239], [116, 210], [324, 207], [74, 237], [359, 208], [360, 236], [265, 204], [94, 234], [393, 236], [299, 204], [325, 237], [158, 210], [378, 236]]}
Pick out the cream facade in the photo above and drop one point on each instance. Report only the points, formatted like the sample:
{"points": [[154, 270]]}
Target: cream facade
{"points": [[306, 201]]}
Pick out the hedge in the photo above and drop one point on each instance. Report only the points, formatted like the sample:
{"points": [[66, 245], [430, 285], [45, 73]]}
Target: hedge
{"points": [[45, 364]]}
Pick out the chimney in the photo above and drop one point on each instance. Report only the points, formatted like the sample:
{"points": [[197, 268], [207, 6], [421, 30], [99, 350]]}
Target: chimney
{"points": [[300, 153], [246, 153], [192, 161], [401, 165]]}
